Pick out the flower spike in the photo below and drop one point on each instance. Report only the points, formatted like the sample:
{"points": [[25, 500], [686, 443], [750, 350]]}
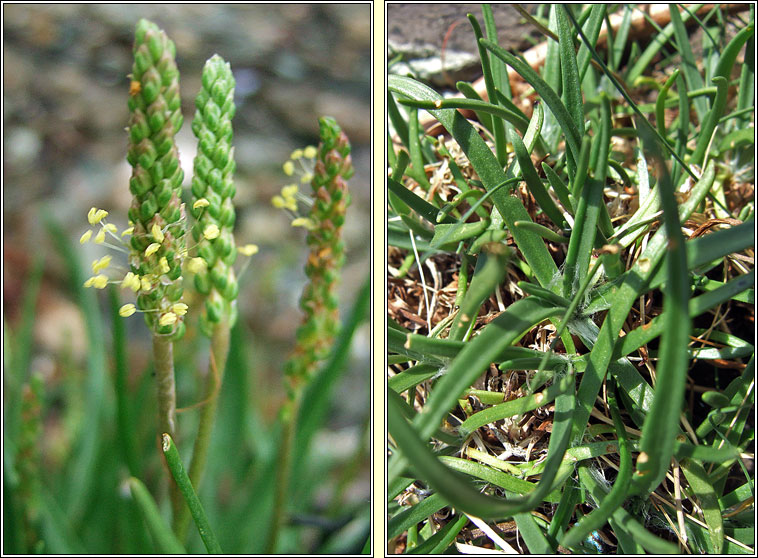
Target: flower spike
{"points": [[213, 193], [156, 210], [324, 224]]}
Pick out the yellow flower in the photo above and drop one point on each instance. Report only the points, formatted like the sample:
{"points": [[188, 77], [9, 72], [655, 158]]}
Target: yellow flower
{"points": [[169, 318], [100, 282], [306, 178], [157, 233], [289, 168], [145, 283], [310, 152], [197, 265], [304, 222], [152, 249], [130, 230], [88, 282], [163, 264], [130, 281], [289, 191], [127, 310], [180, 309], [85, 237], [296, 154], [211, 231], [101, 264], [248, 249], [100, 236], [278, 202], [202, 202], [96, 215], [110, 227]]}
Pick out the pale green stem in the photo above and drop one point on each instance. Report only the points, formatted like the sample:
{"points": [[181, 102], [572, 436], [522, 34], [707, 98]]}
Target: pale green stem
{"points": [[219, 353], [283, 465]]}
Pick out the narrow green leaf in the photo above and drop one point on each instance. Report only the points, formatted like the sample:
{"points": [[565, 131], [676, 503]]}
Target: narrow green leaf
{"points": [[697, 305], [445, 234], [659, 103], [711, 247], [534, 183], [542, 230], [413, 515], [572, 88], [491, 174], [511, 408], [626, 96], [532, 534], [643, 60], [615, 498], [454, 487], [491, 269], [415, 151], [705, 134], [415, 202], [411, 377], [661, 425], [470, 93], [190, 496], [81, 469], [127, 441], [163, 536], [421, 347], [592, 29], [499, 70], [619, 43], [397, 120], [689, 66], [682, 130], [702, 487], [489, 82], [547, 93], [442, 539], [472, 104], [478, 354], [624, 521], [560, 188]]}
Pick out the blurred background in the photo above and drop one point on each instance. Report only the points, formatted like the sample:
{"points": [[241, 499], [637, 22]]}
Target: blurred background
{"points": [[65, 94]]}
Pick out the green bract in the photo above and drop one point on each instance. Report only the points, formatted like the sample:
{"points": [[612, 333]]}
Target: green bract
{"points": [[213, 181], [156, 211]]}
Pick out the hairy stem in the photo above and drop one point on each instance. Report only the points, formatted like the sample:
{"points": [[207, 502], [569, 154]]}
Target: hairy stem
{"points": [[163, 355]]}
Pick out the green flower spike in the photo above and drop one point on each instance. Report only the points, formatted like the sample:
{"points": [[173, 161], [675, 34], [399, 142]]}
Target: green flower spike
{"points": [[213, 192], [157, 242], [319, 302], [315, 336]]}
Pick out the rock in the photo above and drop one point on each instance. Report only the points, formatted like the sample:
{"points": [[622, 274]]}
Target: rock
{"points": [[426, 35]]}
